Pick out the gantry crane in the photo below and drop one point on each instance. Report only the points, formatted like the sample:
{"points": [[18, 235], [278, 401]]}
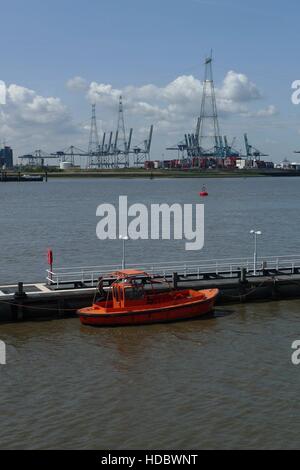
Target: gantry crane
{"points": [[252, 151]]}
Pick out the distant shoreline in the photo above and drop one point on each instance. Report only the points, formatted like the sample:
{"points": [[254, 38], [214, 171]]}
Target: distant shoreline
{"points": [[141, 173], [158, 173]]}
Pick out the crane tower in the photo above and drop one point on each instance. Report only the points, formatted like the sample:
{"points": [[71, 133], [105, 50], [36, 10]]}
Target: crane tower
{"points": [[208, 135]]}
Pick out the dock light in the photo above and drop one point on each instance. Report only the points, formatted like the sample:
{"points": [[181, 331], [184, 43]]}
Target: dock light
{"points": [[124, 238], [255, 233]]}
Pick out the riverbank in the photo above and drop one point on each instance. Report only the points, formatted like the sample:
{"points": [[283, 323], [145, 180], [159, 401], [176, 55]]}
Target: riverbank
{"points": [[164, 173]]}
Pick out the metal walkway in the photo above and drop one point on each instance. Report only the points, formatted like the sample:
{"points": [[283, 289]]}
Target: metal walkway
{"points": [[87, 276]]}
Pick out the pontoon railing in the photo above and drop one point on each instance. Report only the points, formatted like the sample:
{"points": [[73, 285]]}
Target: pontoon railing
{"points": [[88, 275]]}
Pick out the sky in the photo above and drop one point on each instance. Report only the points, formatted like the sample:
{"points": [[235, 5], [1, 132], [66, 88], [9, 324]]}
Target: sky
{"points": [[59, 57]]}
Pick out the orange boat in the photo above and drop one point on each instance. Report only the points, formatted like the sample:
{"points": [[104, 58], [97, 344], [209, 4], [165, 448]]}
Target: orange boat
{"points": [[133, 299]]}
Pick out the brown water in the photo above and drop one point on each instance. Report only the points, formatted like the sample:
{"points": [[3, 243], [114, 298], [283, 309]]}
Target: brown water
{"points": [[62, 215], [223, 382]]}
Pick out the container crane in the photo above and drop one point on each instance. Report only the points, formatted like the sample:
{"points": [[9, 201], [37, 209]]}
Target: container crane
{"points": [[252, 151], [142, 154]]}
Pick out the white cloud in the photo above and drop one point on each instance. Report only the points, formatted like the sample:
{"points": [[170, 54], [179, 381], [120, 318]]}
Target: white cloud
{"points": [[270, 110], [30, 120], [238, 88], [25, 104], [179, 100], [103, 93], [182, 89], [77, 84]]}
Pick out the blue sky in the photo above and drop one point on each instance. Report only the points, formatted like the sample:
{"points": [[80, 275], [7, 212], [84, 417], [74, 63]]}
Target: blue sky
{"points": [[134, 43]]}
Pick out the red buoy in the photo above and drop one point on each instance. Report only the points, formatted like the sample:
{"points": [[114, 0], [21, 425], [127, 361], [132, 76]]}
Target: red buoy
{"points": [[204, 192]]}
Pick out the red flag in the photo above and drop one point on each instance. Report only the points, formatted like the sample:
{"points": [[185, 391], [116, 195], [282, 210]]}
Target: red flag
{"points": [[50, 257]]}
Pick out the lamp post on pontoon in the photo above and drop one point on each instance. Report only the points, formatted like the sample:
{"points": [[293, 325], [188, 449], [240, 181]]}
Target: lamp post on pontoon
{"points": [[124, 238], [255, 233]]}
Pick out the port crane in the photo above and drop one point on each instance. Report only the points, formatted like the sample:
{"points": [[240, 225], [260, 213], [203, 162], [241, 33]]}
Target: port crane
{"points": [[116, 153], [113, 151], [69, 154], [229, 148], [252, 151], [190, 146], [36, 158], [142, 154]]}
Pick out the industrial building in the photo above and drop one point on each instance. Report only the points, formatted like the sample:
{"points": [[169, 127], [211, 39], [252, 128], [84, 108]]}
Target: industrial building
{"points": [[6, 157], [287, 165]]}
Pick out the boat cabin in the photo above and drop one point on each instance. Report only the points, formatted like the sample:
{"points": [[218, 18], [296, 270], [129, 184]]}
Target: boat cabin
{"points": [[129, 288]]}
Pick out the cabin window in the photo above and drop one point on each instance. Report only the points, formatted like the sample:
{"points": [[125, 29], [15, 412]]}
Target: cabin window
{"points": [[134, 294]]}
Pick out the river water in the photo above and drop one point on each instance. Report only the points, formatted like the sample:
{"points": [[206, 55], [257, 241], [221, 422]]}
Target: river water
{"points": [[222, 382]]}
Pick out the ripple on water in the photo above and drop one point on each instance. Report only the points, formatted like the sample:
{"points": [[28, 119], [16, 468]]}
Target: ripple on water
{"points": [[225, 381]]}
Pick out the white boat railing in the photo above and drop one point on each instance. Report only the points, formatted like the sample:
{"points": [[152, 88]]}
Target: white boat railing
{"points": [[229, 267]]}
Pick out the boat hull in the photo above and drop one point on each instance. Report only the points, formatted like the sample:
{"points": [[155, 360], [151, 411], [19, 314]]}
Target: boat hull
{"points": [[173, 313]]}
